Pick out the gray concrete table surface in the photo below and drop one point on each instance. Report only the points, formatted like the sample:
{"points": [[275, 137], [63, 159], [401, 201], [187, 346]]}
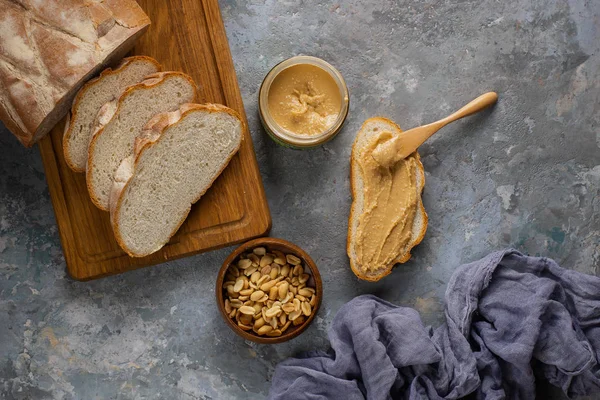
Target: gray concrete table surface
{"points": [[525, 174]]}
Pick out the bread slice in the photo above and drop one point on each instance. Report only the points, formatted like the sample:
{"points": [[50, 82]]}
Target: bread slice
{"points": [[108, 86], [371, 128], [176, 160], [121, 121]]}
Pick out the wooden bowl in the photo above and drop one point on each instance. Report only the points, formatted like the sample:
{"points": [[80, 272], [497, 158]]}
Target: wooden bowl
{"points": [[287, 248]]}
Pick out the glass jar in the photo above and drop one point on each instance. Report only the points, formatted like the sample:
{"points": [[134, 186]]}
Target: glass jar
{"points": [[286, 137]]}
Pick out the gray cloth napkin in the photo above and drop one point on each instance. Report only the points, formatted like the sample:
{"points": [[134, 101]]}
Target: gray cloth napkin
{"points": [[509, 319]]}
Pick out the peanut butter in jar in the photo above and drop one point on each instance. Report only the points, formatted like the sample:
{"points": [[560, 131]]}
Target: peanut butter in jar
{"points": [[303, 102]]}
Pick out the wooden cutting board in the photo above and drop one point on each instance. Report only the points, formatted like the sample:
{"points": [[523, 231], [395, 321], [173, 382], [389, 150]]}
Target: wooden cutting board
{"points": [[188, 36]]}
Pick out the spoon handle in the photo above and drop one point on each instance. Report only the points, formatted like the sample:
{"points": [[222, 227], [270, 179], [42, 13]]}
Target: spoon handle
{"points": [[481, 102], [401, 146]]}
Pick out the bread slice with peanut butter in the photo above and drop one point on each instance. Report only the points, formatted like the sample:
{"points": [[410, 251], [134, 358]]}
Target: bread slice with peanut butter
{"points": [[387, 217]]}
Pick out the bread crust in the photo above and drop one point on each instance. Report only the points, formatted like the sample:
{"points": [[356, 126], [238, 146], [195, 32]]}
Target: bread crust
{"points": [[97, 37], [163, 124], [402, 258], [90, 84], [148, 83]]}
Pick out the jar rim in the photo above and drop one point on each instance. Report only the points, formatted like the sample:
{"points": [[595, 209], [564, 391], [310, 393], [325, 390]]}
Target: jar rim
{"points": [[285, 135]]}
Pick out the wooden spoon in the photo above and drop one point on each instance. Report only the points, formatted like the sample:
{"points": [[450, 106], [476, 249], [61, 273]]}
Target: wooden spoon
{"points": [[401, 146]]}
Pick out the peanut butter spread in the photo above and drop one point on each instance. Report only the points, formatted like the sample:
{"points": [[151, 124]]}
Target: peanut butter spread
{"points": [[304, 99], [391, 201]]}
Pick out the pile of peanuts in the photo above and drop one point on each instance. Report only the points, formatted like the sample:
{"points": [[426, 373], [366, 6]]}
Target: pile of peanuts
{"points": [[266, 292]]}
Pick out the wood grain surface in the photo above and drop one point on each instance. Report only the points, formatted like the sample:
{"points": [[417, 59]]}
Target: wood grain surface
{"points": [[188, 36]]}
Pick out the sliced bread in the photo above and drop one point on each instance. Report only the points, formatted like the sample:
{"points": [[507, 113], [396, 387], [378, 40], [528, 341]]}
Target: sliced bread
{"points": [[108, 86], [176, 160], [368, 132], [121, 121]]}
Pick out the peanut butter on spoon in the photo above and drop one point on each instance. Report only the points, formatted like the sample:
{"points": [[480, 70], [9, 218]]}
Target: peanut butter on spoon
{"points": [[396, 148]]}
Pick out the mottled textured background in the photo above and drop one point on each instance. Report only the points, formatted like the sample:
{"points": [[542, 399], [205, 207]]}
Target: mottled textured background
{"points": [[525, 174]]}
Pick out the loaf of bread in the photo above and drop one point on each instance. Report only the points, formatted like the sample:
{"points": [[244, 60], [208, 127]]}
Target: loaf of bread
{"points": [[122, 120], [177, 158], [49, 48], [92, 96], [372, 128]]}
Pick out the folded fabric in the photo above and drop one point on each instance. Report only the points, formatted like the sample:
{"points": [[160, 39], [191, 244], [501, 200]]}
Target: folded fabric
{"points": [[509, 319]]}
